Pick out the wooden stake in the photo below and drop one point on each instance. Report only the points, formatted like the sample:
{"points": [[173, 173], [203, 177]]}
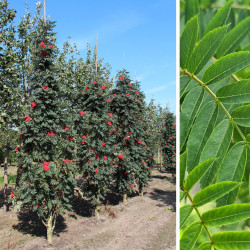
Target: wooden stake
{"points": [[96, 53], [44, 9], [123, 62]]}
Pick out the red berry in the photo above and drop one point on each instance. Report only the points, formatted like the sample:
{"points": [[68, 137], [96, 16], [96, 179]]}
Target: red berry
{"points": [[42, 44], [33, 104], [120, 157]]}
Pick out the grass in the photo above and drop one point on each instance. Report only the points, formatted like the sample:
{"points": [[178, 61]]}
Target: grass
{"points": [[11, 179], [11, 170], [156, 160]]}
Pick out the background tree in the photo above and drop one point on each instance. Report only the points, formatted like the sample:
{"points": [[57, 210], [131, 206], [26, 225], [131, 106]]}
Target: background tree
{"points": [[9, 83], [169, 143], [128, 106], [156, 118], [95, 127]]}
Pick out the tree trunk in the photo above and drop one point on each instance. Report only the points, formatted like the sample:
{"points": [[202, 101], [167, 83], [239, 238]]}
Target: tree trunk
{"points": [[50, 228], [141, 190], [158, 160], [97, 207], [6, 158], [125, 200]]}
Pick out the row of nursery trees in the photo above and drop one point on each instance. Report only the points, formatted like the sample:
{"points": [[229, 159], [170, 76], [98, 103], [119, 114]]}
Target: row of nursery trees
{"points": [[72, 120]]}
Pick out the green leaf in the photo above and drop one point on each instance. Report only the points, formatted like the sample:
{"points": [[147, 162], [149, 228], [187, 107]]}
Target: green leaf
{"points": [[232, 169], [205, 246], [249, 184], [206, 49], [185, 211], [191, 9], [190, 236], [226, 215], [226, 66], [189, 110], [183, 167], [232, 240], [241, 115], [197, 173], [234, 37], [200, 133], [182, 195], [188, 40], [220, 17], [235, 92], [247, 48], [184, 81], [213, 192], [216, 146]]}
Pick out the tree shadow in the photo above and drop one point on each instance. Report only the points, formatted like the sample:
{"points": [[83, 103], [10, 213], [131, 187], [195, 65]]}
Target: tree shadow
{"points": [[114, 198], [82, 207], [162, 177], [171, 179], [164, 197], [29, 223]]}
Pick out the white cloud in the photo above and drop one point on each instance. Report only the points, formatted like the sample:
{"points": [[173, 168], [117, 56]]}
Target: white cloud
{"points": [[144, 75], [160, 88], [157, 89], [118, 23]]}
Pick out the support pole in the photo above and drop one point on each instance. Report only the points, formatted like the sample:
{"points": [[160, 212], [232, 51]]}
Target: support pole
{"points": [[96, 53], [44, 10], [123, 63]]}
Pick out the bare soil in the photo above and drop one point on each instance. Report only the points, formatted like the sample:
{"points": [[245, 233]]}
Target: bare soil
{"points": [[144, 223]]}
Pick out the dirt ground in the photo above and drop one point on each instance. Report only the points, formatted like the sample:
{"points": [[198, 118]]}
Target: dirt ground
{"points": [[144, 223]]}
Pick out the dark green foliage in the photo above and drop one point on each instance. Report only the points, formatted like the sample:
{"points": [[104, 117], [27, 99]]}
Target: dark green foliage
{"points": [[169, 143], [45, 176], [132, 136], [96, 137]]}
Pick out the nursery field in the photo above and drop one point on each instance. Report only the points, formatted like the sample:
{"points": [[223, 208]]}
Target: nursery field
{"points": [[146, 222]]}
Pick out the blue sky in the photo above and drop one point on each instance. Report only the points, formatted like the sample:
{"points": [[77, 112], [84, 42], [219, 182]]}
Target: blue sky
{"points": [[143, 29]]}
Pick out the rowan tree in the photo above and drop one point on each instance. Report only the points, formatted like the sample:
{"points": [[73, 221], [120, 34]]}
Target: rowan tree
{"points": [[132, 163], [47, 142], [96, 129], [169, 143]]}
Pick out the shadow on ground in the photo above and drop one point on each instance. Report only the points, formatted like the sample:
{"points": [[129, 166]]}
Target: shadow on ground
{"points": [[164, 197], [29, 223]]}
